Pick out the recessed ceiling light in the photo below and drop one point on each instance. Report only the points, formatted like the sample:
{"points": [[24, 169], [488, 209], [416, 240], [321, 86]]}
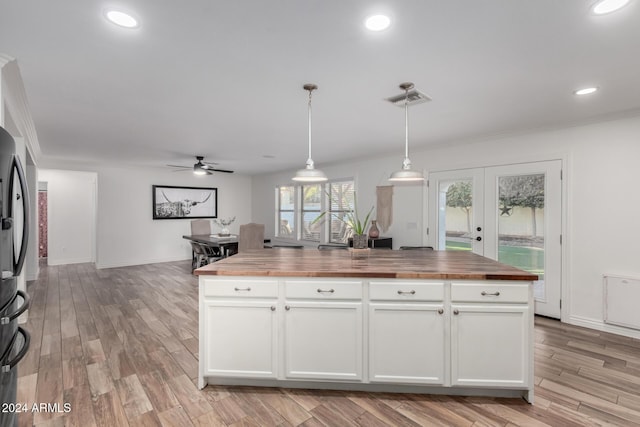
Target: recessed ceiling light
{"points": [[121, 18], [606, 6], [585, 91], [377, 22]]}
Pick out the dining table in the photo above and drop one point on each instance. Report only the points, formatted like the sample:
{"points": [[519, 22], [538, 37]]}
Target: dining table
{"points": [[228, 245]]}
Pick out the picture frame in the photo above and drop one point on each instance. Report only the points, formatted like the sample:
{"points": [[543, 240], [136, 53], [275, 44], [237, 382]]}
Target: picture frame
{"points": [[173, 202]]}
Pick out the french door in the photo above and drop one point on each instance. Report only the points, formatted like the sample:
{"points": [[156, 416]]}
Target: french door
{"points": [[510, 213]]}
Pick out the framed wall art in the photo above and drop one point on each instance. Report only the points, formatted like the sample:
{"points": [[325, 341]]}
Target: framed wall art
{"points": [[170, 202]]}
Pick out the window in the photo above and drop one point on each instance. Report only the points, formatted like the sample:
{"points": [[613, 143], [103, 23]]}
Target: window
{"points": [[286, 215], [311, 209], [298, 206], [341, 203]]}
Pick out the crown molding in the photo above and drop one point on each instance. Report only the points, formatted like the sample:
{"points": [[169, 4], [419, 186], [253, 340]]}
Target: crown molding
{"points": [[14, 97]]}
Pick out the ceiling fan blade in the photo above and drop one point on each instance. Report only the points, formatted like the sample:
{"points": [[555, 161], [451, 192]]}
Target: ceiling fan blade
{"points": [[210, 163], [220, 170], [179, 166]]}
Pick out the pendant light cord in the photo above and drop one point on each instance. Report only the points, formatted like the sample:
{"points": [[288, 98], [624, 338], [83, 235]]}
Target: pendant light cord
{"points": [[310, 90], [406, 124]]}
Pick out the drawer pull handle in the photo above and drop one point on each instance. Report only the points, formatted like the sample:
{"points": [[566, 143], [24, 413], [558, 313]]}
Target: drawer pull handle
{"points": [[495, 294], [411, 292], [456, 312], [247, 289], [440, 310], [273, 308], [322, 291], [286, 307]]}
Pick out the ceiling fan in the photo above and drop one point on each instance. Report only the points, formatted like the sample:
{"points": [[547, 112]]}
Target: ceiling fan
{"points": [[200, 167]]}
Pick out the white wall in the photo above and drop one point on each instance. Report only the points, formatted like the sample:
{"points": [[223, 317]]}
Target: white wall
{"points": [[126, 234], [602, 202], [71, 215]]}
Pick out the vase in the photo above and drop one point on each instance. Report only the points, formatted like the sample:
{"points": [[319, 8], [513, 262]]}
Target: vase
{"points": [[224, 232], [360, 241], [374, 233]]}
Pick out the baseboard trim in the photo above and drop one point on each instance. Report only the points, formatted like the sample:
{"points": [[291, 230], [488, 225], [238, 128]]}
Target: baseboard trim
{"points": [[130, 263], [68, 261], [599, 325]]}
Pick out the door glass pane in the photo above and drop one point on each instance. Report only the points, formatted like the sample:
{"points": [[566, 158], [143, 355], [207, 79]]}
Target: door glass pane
{"points": [[521, 225], [455, 214]]}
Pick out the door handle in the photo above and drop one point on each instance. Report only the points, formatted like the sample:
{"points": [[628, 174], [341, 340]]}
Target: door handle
{"points": [[25, 305], [8, 365], [17, 167]]}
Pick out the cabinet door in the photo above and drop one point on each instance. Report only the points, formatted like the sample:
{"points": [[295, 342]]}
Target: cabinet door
{"points": [[406, 343], [241, 339], [323, 340], [490, 345]]}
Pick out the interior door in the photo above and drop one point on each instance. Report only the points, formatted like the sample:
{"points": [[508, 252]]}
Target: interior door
{"points": [[510, 213]]}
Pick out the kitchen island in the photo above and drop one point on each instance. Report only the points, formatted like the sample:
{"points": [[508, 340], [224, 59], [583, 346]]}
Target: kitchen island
{"points": [[399, 321]]}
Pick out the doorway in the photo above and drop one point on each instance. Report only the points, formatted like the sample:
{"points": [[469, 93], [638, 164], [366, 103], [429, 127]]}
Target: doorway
{"points": [[511, 213]]}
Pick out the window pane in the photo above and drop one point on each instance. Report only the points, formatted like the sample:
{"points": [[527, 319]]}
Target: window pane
{"points": [[311, 208], [342, 203], [285, 212]]}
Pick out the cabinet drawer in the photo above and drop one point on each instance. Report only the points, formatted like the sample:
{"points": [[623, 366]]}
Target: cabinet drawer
{"points": [[323, 289], [244, 288], [490, 292], [406, 291]]}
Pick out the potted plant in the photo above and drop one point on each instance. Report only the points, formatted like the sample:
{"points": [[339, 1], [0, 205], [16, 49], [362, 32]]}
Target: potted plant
{"points": [[352, 220]]}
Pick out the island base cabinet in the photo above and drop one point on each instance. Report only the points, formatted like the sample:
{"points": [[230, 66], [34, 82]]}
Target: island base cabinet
{"points": [[323, 340], [241, 339], [406, 343], [490, 346]]}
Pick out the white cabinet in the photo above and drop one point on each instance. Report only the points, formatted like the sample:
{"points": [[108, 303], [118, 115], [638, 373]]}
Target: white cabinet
{"points": [[323, 330], [406, 343], [490, 336], [407, 332], [323, 340], [239, 329]]}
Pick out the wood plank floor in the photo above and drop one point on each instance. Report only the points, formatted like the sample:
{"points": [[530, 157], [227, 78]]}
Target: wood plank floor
{"points": [[121, 347]]}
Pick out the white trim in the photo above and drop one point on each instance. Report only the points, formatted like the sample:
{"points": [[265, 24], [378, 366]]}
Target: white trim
{"points": [[599, 325], [129, 263]]}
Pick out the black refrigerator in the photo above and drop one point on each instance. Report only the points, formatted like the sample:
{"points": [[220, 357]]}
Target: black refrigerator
{"points": [[14, 340]]}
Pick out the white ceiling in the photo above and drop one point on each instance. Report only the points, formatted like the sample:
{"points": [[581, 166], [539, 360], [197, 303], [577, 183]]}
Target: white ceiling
{"points": [[224, 79]]}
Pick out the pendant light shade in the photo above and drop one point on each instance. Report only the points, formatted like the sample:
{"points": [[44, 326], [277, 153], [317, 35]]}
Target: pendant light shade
{"points": [[406, 174], [309, 173]]}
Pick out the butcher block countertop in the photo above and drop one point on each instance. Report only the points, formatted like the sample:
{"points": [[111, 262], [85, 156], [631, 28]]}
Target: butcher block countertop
{"points": [[381, 263]]}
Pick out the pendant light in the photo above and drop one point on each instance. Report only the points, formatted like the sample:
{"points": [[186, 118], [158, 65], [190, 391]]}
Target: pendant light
{"points": [[309, 173], [406, 174]]}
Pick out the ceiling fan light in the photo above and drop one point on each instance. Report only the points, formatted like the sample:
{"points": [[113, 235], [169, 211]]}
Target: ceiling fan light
{"points": [[197, 170]]}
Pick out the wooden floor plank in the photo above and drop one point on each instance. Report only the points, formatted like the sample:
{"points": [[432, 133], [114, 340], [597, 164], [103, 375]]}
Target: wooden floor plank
{"points": [[121, 346]]}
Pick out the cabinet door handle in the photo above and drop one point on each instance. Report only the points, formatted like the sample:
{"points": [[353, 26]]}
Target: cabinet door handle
{"points": [[411, 292], [322, 291], [242, 289], [456, 312], [273, 308], [495, 294], [440, 310], [286, 307]]}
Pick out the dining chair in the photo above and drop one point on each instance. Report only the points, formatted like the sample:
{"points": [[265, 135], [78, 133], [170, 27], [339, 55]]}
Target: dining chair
{"points": [[202, 255], [251, 237], [200, 226], [416, 248]]}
